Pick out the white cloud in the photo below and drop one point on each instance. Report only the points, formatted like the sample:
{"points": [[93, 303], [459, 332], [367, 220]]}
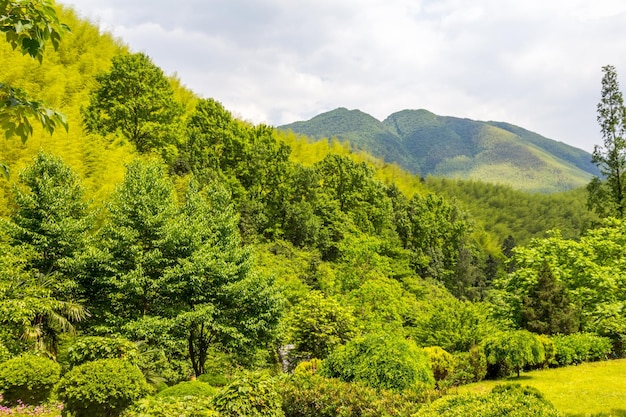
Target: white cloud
{"points": [[535, 63]]}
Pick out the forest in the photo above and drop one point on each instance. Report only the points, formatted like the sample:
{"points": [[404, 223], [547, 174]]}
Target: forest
{"points": [[161, 257]]}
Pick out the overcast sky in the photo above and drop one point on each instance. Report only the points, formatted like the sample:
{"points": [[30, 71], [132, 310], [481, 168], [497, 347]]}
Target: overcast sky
{"points": [[533, 63]]}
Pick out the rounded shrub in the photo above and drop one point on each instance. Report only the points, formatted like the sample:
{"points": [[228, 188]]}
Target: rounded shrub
{"points": [[28, 378], [171, 407], [580, 347], [249, 395], [308, 395], [214, 380], [91, 348], [468, 367], [380, 361], [189, 389], [508, 401], [102, 388]]}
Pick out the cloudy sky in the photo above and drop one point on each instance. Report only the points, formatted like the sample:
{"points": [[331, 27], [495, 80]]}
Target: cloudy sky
{"points": [[534, 63]]}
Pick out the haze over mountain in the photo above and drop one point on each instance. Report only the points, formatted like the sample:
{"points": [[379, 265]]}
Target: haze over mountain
{"points": [[427, 144]]}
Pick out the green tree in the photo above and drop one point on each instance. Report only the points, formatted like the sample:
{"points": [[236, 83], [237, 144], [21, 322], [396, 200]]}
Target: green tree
{"points": [[319, 324], [547, 309], [28, 25], [609, 198], [135, 99]]}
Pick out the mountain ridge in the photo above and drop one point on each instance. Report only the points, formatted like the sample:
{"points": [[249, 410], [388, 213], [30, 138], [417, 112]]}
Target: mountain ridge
{"points": [[428, 144]]}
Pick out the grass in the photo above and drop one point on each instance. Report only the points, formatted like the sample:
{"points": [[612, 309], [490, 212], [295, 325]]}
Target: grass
{"points": [[590, 389]]}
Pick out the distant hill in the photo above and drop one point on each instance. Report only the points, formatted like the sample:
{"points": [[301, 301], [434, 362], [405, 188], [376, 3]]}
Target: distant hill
{"points": [[427, 144]]}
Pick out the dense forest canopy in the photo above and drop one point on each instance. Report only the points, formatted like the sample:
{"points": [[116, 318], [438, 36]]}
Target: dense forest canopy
{"points": [[160, 239]]}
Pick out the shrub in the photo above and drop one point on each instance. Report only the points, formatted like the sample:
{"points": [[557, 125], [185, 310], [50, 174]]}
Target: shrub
{"points": [[189, 389], [91, 348], [171, 407], [380, 361], [512, 351], [28, 378], [316, 396], [101, 388], [308, 367], [214, 380], [468, 367], [580, 347], [508, 401], [249, 395], [441, 362], [5, 354]]}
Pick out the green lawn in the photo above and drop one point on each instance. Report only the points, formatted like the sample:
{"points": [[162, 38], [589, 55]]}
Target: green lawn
{"points": [[590, 389]]}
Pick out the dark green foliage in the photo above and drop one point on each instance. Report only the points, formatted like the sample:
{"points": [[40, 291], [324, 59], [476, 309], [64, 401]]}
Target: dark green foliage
{"points": [[135, 99], [28, 379], [249, 395], [609, 199], [315, 396], [504, 400], [172, 407], [91, 348], [317, 325], [189, 389], [380, 361], [547, 309], [580, 347], [102, 388]]}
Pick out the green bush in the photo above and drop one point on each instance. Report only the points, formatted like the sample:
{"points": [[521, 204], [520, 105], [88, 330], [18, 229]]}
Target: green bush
{"points": [[171, 407], [91, 348], [441, 362], [102, 388], [507, 401], [189, 389], [5, 354], [513, 351], [249, 395], [580, 347], [468, 367], [28, 378], [315, 396], [380, 361], [214, 380]]}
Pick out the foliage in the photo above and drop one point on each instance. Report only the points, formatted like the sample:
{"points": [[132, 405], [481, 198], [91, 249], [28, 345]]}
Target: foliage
{"points": [[188, 389], [442, 363], [546, 309], [580, 347], [28, 25], [313, 396], [28, 379], [171, 406], [101, 388], [451, 324], [512, 351], [609, 199], [91, 348], [249, 395], [381, 361], [214, 380], [507, 400], [318, 324], [135, 99], [586, 267], [468, 367]]}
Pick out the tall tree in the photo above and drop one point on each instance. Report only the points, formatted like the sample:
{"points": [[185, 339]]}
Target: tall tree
{"points": [[609, 198], [135, 99]]}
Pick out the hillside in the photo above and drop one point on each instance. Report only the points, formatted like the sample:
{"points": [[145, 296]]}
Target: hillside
{"points": [[427, 144]]}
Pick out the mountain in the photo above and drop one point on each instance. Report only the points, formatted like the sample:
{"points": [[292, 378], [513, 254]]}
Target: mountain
{"points": [[427, 144]]}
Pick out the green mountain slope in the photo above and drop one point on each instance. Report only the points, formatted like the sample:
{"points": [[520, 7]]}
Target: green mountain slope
{"points": [[428, 144]]}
